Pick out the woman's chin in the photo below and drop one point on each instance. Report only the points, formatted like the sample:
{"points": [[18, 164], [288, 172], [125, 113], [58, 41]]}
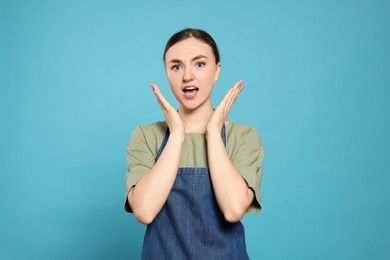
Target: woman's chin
{"points": [[191, 105]]}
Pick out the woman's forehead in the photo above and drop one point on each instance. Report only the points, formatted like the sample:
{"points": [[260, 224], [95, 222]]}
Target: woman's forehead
{"points": [[189, 48]]}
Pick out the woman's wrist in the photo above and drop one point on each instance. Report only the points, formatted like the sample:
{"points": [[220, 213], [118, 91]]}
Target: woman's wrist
{"points": [[212, 133], [177, 135]]}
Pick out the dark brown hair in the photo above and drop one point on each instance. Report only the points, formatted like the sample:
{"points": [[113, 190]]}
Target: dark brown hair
{"points": [[193, 33]]}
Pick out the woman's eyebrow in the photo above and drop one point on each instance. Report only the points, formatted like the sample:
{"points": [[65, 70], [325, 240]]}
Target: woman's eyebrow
{"points": [[193, 59], [199, 57], [175, 61]]}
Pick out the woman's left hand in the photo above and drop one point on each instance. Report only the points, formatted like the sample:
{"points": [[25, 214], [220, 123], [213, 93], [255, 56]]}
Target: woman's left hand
{"points": [[222, 110]]}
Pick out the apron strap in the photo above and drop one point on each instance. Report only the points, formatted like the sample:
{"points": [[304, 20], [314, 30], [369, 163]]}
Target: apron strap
{"points": [[223, 134], [162, 146]]}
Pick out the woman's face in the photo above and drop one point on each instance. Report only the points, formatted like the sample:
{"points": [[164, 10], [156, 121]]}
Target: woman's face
{"points": [[191, 71]]}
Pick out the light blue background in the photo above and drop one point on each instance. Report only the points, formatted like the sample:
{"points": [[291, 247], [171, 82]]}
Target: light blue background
{"points": [[75, 77]]}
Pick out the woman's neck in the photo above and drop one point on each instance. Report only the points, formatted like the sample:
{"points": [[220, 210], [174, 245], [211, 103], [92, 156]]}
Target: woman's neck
{"points": [[195, 121]]}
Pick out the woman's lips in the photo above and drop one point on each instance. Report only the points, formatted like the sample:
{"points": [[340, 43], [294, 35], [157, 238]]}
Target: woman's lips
{"points": [[190, 91]]}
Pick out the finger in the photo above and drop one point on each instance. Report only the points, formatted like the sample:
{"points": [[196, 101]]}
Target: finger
{"points": [[163, 102], [226, 97], [237, 91], [157, 94], [237, 88], [224, 105], [228, 100], [234, 96], [232, 100]]}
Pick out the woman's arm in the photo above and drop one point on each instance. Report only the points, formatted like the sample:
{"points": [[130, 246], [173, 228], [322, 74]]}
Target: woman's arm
{"points": [[231, 191], [152, 190]]}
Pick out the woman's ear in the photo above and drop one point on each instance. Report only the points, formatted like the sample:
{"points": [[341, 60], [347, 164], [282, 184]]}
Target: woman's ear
{"points": [[218, 70]]}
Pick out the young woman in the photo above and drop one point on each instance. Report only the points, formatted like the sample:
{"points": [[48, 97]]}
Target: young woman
{"points": [[192, 177]]}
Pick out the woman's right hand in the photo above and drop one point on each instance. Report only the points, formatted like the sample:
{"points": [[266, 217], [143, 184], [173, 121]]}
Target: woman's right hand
{"points": [[172, 118], [151, 192]]}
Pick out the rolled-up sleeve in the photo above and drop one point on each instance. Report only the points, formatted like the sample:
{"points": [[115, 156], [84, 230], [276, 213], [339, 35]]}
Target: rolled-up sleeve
{"points": [[248, 161], [140, 159]]}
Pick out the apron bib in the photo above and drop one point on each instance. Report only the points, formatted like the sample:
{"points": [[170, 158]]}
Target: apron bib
{"points": [[190, 225]]}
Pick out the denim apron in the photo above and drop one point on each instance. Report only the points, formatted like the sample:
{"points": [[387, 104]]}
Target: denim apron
{"points": [[190, 225]]}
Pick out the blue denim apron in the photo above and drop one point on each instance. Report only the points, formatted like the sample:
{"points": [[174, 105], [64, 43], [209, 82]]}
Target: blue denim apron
{"points": [[190, 225]]}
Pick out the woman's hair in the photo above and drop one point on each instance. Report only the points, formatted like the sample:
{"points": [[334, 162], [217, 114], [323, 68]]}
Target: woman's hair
{"points": [[193, 33]]}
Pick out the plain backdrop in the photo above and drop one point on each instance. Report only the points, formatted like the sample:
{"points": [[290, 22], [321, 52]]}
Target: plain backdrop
{"points": [[75, 81]]}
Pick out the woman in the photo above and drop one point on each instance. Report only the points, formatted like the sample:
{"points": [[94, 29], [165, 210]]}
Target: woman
{"points": [[193, 177]]}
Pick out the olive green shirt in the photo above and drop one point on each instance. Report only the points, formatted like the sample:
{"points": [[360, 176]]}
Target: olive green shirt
{"points": [[243, 145]]}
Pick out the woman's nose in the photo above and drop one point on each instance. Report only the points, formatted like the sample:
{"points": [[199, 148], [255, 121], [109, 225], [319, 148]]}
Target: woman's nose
{"points": [[187, 75]]}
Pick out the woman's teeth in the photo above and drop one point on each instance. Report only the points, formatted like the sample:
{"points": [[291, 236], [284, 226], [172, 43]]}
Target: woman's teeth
{"points": [[190, 89]]}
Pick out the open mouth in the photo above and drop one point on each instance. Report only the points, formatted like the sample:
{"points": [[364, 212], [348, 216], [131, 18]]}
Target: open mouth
{"points": [[190, 90]]}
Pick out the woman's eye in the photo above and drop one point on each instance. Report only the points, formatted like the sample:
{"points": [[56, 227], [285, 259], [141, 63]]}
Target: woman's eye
{"points": [[200, 64], [176, 67]]}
